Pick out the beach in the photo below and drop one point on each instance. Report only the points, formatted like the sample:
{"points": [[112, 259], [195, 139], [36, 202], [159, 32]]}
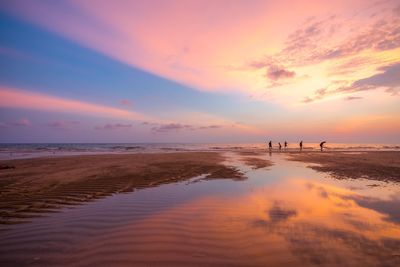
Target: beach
{"points": [[202, 208], [200, 133], [32, 186], [374, 165]]}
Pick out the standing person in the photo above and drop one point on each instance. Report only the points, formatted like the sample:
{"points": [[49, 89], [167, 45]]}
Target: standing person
{"points": [[301, 145], [270, 145], [322, 145], [285, 144], [280, 146]]}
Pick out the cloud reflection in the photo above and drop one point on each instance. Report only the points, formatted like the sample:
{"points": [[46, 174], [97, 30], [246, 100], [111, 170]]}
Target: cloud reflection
{"points": [[327, 223]]}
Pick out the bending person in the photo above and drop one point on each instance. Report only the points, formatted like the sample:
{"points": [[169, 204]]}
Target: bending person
{"points": [[322, 145]]}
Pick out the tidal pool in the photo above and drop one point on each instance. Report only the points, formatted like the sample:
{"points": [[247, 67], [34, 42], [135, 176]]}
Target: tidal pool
{"points": [[284, 215]]}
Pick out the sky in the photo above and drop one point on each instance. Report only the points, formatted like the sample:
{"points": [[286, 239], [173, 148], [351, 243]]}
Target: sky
{"points": [[199, 71]]}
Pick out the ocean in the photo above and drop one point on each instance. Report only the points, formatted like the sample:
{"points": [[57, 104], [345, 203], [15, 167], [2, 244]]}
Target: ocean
{"points": [[27, 150]]}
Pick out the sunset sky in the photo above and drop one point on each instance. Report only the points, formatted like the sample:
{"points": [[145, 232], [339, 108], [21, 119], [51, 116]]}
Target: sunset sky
{"points": [[199, 71]]}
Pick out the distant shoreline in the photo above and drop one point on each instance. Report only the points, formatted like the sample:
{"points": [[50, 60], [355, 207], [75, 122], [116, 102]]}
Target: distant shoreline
{"points": [[20, 151]]}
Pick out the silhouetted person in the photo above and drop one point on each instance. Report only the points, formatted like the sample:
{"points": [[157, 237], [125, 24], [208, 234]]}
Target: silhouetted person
{"points": [[280, 146], [301, 145], [270, 145], [322, 145], [285, 144]]}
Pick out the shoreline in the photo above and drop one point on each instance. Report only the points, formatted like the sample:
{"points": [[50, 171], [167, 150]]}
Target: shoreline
{"points": [[5, 156], [36, 150]]}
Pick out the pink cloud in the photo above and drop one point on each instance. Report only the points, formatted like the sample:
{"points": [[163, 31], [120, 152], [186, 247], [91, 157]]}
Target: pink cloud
{"points": [[337, 37], [126, 102], [276, 73], [204, 38], [15, 98], [201, 36]]}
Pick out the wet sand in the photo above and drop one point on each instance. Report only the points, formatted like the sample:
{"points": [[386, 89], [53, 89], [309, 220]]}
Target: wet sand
{"points": [[30, 187], [377, 165], [257, 163], [271, 212]]}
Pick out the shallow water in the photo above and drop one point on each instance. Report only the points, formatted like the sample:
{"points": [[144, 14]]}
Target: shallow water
{"points": [[287, 215]]}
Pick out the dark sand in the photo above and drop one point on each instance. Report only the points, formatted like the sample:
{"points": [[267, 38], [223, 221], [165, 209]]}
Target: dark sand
{"points": [[377, 165], [29, 187], [257, 163]]}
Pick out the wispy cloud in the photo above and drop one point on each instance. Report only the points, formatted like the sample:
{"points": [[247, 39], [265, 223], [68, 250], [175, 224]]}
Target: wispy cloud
{"points": [[210, 127], [358, 38], [115, 126], [63, 125], [276, 73], [319, 94], [149, 123], [337, 47], [15, 98], [388, 79], [24, 122], [171, 127], [320, 38], [349, 98], [168, 127], [303, 47]]}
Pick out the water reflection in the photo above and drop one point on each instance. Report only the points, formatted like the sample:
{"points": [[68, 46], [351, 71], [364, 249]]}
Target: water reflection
{"points": [[286, 216], [296, 222], [325, 225]]}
